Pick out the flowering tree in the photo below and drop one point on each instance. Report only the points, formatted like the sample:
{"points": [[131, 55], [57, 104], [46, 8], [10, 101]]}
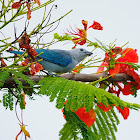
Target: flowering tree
{"points": [[88, 106]]}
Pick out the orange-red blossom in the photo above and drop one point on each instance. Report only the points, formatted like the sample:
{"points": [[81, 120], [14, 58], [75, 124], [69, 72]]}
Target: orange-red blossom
{"points": [[124, 112], [87, 117], [16, 5], [82, 33], [24, 42]]}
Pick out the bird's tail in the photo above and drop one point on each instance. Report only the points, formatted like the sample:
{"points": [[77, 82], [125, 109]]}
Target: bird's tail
{"points": [[15, 52]]}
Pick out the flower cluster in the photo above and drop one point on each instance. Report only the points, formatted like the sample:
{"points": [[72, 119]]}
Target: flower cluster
{"points": [[123, 64], [24, 43], [16, 5], [82, 33]]}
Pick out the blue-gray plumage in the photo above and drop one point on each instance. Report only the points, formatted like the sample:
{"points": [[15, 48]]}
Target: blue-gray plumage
{"points": [[59, 61]]}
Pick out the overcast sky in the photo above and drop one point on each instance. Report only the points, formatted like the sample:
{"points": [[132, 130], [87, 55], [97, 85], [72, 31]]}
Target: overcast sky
{"points": [[121, 20]]}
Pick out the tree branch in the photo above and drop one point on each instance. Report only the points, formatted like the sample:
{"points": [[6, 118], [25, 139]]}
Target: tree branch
{"points": [[93, 77], [9, 83]]}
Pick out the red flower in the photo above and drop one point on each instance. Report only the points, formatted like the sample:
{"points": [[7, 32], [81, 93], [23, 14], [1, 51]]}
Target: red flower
{"points": [[87, 117], [81, 40], [103, 107], [114, 70], [25, 63], [23, 95], [109, 61], [29, 10], [129, 55], [115, 66], [37, 1], [32, 71], [134, 75], [82, 33], [32, 51], [3, 64], [124, 112], [129, 88], [85, 23], [24, 41], [38, 67], [96, 26], [16, 5]]}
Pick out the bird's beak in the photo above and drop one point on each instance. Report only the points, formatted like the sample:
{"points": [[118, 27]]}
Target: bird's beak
{"points": [[89, 53]]}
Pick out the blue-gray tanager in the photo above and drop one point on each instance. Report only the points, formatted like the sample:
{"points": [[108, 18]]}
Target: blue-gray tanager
{"points": [[59, 61]]}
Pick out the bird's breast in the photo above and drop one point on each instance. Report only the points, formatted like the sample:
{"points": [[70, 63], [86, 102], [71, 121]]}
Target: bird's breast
{"points": [[56, 68]]}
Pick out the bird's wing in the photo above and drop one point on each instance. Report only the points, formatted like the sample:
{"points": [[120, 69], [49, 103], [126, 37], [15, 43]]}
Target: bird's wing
{"points": [[15, 52], [59, 57]]}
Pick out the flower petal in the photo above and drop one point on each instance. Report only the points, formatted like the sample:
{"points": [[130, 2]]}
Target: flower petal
{"points": [[25, 63], [38, 67], [96, 26], [124, 112], [116, 70], [87, 117], [16, 5], [32, 71], [103, 107]]}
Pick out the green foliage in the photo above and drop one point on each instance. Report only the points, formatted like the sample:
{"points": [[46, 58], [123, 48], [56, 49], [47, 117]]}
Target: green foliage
{"points": [[106, 124], [77, 93], [6, 8], [69, 131], [17, 90], [80, 94], [62, 38], [8, 100], [3, 76], [103, 128], [95, 44]]}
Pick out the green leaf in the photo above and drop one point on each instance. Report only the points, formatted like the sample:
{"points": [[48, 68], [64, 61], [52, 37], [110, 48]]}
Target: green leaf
{"points": [[8, 100], [3, 76], [72, 118], [62, 38]]}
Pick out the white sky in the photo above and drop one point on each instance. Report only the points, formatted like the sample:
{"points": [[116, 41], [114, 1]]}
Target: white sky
{"points": [[121, 20]]}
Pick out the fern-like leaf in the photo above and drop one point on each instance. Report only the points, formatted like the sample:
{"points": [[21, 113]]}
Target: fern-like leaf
{"points": [[8, 100], [4, 74], [78, 94]]}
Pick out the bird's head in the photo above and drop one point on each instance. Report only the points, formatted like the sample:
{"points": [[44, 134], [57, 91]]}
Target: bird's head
{"points": [[79, 54]]}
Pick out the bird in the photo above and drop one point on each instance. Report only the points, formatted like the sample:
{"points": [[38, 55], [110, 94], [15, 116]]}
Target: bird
{"points": [[59, 61]]}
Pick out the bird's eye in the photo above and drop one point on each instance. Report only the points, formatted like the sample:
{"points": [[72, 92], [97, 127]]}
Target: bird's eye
{"points": [[81, 49]]}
